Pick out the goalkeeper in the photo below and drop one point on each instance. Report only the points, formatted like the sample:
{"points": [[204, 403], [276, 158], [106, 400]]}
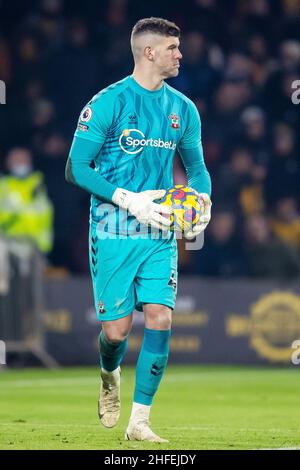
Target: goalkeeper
{"points": [[130, 132]]}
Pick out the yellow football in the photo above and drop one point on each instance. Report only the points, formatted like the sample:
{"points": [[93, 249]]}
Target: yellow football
{"points": [[186, 205]]}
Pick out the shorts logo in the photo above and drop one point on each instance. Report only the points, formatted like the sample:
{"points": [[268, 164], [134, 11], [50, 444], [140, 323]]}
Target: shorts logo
{"points": [[174, 121], [101, 307], [132, 141], [86, 114], [172, 281]]}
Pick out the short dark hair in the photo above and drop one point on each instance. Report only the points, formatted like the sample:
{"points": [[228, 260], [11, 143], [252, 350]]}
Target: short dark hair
{"points": [[156, 26]]}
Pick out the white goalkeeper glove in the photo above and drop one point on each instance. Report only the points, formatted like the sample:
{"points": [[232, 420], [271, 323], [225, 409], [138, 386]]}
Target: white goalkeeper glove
{"points": [[204, 218], [141, 205]]}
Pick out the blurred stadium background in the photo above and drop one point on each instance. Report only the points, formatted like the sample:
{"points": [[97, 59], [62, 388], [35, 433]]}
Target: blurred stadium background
{"points": [[239, 297]]}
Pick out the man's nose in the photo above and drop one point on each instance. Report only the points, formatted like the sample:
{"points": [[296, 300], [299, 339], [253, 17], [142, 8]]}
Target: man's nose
{"points": [[178, 55]]}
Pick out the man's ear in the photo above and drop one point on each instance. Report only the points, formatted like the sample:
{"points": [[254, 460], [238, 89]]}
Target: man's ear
{"points": [[149, 53]]}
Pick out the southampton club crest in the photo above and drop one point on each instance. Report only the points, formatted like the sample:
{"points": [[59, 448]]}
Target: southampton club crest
{"points": [[174, 121]]}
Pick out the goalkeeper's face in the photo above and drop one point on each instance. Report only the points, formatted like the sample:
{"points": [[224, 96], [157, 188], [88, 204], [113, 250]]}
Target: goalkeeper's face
{"points": [[166, 56]]}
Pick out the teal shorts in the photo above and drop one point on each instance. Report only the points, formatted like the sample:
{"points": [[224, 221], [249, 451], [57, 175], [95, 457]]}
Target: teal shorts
{"points": [[128, 272]]}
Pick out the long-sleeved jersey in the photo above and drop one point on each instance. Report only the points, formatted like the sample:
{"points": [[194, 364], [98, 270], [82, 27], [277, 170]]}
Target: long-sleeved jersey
{"points": [[131, 134]]}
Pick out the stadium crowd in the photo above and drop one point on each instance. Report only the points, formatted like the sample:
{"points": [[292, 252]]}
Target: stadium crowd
{"points": [[240, 59]]}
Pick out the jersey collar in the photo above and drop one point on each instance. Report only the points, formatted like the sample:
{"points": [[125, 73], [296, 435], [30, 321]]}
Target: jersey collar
{"points": [[143, 91]]}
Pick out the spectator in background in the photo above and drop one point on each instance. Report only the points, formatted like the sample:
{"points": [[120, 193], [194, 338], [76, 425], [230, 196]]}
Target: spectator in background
{"points": [[223, 115], [284, 168], [252, 192], [114, 32], [28, 60], [199, 77], [232, 177], [277, 93], [206, 16], [42, 118], [255, 16], [222, 254], [289, 26], [27, 66], [266, 256], [25, 210], [72, 72], [68, 201], [49, 21], [286, 222], [261, 62], [254, 135]]}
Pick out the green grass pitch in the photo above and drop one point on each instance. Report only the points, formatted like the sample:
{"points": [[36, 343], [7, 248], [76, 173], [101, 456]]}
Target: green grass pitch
{"points": [[197, 407]]}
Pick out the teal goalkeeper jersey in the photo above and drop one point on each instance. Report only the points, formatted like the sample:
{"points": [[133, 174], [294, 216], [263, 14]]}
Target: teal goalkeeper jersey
{"points": [[137, 132]]}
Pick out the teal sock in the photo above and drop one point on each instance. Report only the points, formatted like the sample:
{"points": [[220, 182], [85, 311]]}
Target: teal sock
{"points": [[151, 364], [111, 353]]}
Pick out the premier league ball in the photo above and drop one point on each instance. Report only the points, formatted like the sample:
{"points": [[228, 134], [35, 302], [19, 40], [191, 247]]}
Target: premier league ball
{"points": [[186, 205]]}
